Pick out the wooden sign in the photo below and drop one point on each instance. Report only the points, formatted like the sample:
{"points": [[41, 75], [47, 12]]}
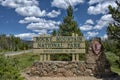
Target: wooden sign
{"points": [[97, 47], [59, 44]]}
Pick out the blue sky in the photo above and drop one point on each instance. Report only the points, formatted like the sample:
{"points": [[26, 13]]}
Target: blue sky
{"points": [[29, 18]]}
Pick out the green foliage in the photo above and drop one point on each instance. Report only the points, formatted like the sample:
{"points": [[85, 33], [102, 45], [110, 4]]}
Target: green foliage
{"points": [[24, 60], [69, 26], [8, 71], [116, 70], [66, 57], [54, 33], [10, 67], [82, 57], [114, 29], [112, 59], [107, 45], [11, 43], [61, 57], [87, 43]]}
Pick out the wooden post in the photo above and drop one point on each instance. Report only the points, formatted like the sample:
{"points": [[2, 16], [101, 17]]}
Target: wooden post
{"points": [[77, 57], [41, 57], [76, 35], [73, 57], [73, 34], [45, 57], [48, 57]]}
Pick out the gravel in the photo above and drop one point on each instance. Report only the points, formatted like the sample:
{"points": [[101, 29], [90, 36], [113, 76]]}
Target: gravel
{"points": [[27, 77]]}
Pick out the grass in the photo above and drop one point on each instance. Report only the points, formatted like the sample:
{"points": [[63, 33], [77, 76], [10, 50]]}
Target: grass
{"points": [[116, 70], [24, 60], [112, 59]]}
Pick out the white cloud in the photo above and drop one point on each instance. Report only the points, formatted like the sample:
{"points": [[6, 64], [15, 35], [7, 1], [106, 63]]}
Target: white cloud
{"points": [[89, 21], [24, 7], [105, 36], [43, 25], [43, 31], [65, 3], [86, 27], [18, 3], [101, 8], [30, 19], [36, 20], [92, 34], [53, 13], [94, 1], [28, 8], [29, 36], [103, 22], [40, 25], [107, 17], [30, 11], [26, 36], [98, 1]]}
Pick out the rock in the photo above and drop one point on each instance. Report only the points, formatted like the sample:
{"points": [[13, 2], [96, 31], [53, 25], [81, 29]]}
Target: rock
{"points": [[50, 74], [82, 68], [74, 70], [54, 69], [59, 75], [61, 70], [89, 72], [45, 73], [96, 59], [68, 73]]}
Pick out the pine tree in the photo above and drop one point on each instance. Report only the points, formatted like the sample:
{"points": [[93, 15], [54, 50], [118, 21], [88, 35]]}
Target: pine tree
{"points": [[69, 26], [54, 33], [66, 28], [113, 29]]}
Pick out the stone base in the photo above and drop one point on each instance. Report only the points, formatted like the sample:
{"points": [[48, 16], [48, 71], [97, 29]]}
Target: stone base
{"points": [[59, 69], [65, 69]]}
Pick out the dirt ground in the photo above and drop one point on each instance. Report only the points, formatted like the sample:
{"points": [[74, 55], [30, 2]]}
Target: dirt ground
{"points": [[27, 77]]}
